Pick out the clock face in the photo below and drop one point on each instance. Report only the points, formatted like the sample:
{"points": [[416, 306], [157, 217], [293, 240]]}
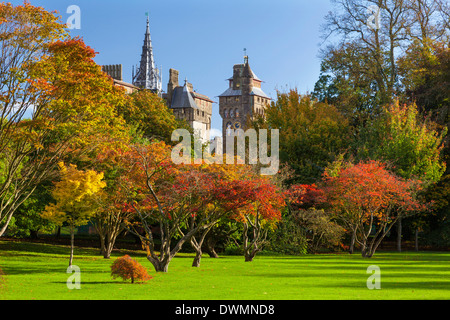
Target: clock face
{"points": [[237, 125]]}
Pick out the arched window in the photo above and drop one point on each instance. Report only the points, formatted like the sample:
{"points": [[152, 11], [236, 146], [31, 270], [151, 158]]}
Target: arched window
{"points": [[231, 113], [237, 113], [225, 111]]}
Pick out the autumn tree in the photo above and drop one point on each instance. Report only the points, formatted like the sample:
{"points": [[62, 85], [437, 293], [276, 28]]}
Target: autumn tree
{"points": [[25, 34], [54, 101], [370, 199], [311, 133], [112, 212], [74, 195], [424, 73], [166, 196], [306, 207], [128, 268], [410, 144], [225, 195], [149, 114], [261, 212]]}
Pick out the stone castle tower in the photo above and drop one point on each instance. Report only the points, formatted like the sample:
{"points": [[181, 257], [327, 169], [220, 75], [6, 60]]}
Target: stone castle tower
{"points": [[242, 100], [189, 105]]}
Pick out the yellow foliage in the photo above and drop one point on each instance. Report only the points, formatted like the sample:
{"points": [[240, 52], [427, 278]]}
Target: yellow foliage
{"points": [[75, 195]]}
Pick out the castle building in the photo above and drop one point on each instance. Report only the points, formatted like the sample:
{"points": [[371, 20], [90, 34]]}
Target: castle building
{"points": [[115, 72], [243, 99], [189, 105]]}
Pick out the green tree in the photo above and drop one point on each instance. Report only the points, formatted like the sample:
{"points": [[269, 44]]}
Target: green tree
{"points": [[364, 41], [27, 221], [412, 146], [312, 133], [149, 114]]}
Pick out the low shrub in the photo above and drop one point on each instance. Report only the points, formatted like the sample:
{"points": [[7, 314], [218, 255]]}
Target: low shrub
{"points": [[127, 268]]}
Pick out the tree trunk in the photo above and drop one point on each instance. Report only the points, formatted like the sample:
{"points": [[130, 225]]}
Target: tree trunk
{"points": [[102, 245], [198, 251], [34, 234], [72, 235], [416, 240], [160, 266], [109, 248], [369, 248], [197, 259], [210, 250], [249, 257], [399, 235], [352, 242]]}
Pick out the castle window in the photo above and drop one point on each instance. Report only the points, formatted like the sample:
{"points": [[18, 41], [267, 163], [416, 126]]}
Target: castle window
{"points": [[225, 112], [231, 113], [237, 113]]}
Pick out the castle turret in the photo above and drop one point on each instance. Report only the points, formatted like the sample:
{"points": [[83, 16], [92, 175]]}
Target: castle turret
{"points": [[242, 100]]}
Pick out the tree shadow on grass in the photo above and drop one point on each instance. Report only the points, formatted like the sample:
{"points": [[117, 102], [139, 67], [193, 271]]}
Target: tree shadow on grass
{"points": [[13, 249], [94, 282], [31, 270]]}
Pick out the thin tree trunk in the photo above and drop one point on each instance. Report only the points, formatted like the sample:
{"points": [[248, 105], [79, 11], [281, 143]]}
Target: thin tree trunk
{"points": [[197, 245], [109, 249], [399, 235], [416, 240], [352, 242], [72, 235], [102, 245]]}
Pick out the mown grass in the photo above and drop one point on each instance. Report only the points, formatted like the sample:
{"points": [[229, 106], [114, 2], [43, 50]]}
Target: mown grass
{"points": [[38, 271]]}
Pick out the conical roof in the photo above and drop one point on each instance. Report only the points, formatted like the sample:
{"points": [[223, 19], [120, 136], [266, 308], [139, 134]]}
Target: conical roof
{"points": [[147, 75]]}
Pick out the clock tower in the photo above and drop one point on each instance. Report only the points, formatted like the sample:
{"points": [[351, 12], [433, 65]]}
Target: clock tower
{"points": [[242, 100]]}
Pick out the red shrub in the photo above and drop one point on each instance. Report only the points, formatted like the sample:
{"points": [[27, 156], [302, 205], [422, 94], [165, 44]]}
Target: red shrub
{"points": [[128, 268]]}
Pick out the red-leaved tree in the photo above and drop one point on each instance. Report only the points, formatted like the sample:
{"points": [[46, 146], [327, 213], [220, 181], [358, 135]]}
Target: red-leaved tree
{"points": [[369, 199]]}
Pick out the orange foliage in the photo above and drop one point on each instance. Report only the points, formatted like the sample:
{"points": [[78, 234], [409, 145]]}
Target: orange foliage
{"points": [[127, 268]]}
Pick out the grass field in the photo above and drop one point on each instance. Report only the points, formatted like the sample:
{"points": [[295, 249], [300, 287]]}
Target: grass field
{"points": [[38, 271]]}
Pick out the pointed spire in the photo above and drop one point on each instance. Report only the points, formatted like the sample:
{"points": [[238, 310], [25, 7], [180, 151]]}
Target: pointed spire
{"points": [[147, 75]]}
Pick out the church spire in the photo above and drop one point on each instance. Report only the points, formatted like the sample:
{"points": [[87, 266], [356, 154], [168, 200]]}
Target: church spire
{"points": [[147, 75]]}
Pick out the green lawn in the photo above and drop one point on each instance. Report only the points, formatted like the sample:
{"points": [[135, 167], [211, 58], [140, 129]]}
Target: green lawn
{"points": [[38, 271]]}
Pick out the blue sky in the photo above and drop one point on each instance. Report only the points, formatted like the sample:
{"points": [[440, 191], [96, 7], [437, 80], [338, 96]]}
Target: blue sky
{"points": [[203, 39]]}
